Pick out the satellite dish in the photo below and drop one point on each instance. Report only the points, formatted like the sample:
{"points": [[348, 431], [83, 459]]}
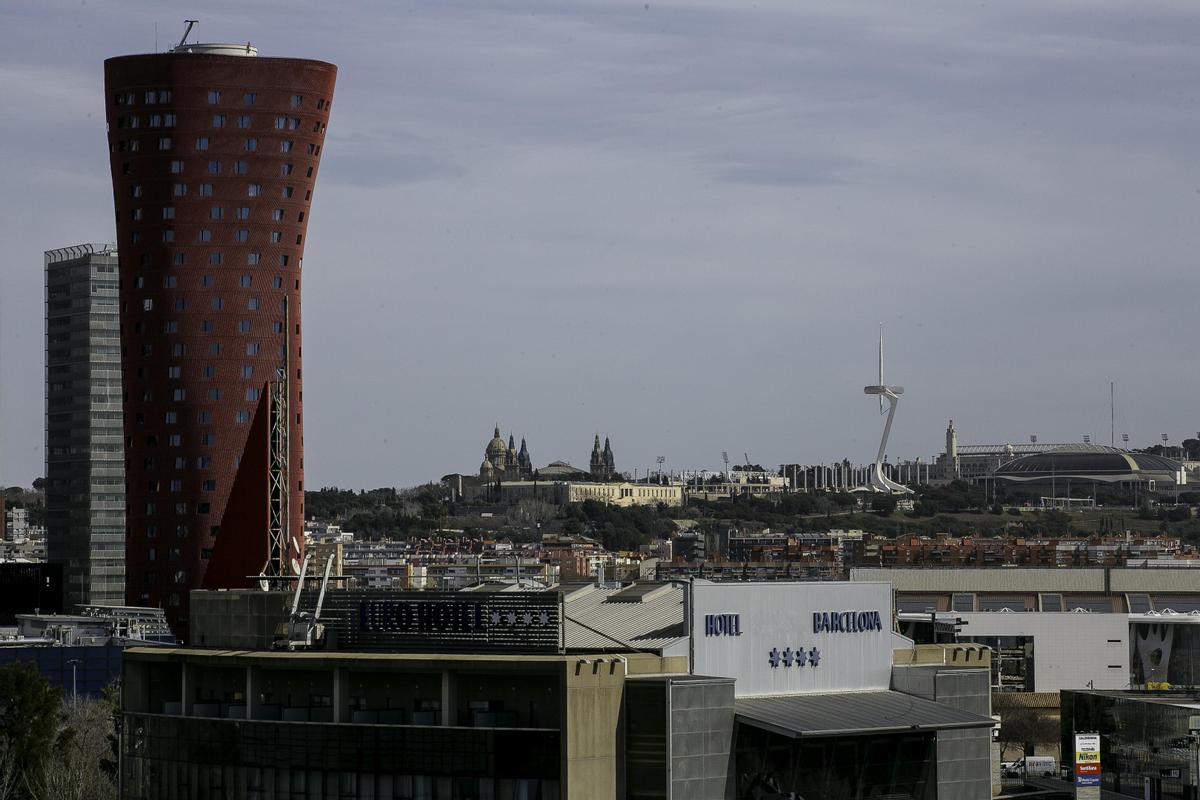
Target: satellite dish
{"points": [[295, 566], [295, 545], [264, 584]]}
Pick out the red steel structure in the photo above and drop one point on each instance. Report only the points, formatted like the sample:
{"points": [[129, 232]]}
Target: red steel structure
{"points": [[214, 154]]}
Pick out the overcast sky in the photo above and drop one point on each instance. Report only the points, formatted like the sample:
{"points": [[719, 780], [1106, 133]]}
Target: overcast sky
{"points": [[679, 224]]}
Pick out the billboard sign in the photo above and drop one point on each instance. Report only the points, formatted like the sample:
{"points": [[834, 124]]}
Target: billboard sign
{"points": [[1087, 759], [786, 638]]}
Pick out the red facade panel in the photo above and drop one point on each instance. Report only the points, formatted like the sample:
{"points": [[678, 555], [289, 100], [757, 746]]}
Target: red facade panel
{"points": [[214, 161]]}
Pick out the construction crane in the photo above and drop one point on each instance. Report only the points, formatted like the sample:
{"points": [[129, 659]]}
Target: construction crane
{"points": [[304, 630]]}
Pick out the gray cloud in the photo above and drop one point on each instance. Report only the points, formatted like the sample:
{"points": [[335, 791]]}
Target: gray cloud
{"points": [[680, 224]]}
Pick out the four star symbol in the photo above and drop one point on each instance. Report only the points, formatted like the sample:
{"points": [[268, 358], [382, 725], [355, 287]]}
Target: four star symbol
{"points": [[798, 657]]}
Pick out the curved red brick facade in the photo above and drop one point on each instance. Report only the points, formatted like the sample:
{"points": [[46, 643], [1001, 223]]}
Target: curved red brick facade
{"points": [[214, 161]]}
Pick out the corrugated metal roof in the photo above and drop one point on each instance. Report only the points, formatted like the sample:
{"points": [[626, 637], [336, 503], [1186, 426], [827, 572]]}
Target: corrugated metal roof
{"points": [[591, 623], [847, 713]]}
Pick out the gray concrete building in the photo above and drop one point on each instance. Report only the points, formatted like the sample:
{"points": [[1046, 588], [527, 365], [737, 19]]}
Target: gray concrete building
{"points": [[85, 471]]}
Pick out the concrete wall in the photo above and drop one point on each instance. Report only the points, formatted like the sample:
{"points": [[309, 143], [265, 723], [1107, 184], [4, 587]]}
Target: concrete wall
{"points": [[237, 619], [984, 579], [778, 616], [964, 757], [1033, 579], [592, 692], [701, 738], [1068, 649]]}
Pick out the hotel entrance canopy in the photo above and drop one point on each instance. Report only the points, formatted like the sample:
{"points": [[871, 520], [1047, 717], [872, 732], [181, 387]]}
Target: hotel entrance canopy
{"points": [[851, 714]]}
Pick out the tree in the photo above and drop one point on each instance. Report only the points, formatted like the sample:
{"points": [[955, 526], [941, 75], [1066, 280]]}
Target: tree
{"points": [[76, 769], [1022, 727], [29, 726]]}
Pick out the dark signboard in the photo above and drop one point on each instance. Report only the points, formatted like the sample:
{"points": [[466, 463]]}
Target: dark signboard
{"points": [[28, 589], [375, 620]]}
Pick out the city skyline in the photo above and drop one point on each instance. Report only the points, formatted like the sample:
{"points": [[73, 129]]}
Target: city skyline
{"points": [[683, 260]]}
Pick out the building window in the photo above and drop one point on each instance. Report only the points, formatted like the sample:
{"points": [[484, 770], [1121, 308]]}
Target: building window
{"points": [[284, 147], [176, 166], [179, 189], [209, 485], [204, 462], [202, 143], [288, 191], [206, 235], [180, 302], [214, 395], [135, 190], [214, 167], [206, 281], [239, 168], [241, 235], [171, 326], [297, 100], [254, 189], [178, 259], [206, 190], [207, 370], [253, 258], [247, 372], [243, 121], [252, 304], [244, 326], [217, 303], [216, 213], [294, 124], [252, 394], [214, 349], [218, 121], [277, 283], [168, 235], [252, 348], [277, 214], [173, 372], [136, 215], [242, 213], [241, 417], [206, 326], [285, 169], [170, 417], [251, 145], [169, 281], [214, 97], [168, 212], [164, 143], [215, 258], [283, 261], [250, 98], [276, 237], [208, 440]]}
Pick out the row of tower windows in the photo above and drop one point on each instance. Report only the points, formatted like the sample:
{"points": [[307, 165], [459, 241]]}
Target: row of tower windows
{"points": [[205, 236], [166, 143], [206, 282], [214, 213], [158, 96], [205, 417], [216, 303], [206, 326], [252, 259], [206, 190]]}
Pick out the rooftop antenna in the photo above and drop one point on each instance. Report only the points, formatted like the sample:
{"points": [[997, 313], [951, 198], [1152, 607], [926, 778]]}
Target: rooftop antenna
{"points": [[186, 31], [881, 367]]}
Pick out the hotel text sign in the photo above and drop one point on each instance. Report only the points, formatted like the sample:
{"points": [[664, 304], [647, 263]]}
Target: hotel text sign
{"points": [[722, 624], [846, 621]]}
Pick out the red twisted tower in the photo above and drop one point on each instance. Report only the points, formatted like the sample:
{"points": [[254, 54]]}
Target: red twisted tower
{"points": [[214, 154]]}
